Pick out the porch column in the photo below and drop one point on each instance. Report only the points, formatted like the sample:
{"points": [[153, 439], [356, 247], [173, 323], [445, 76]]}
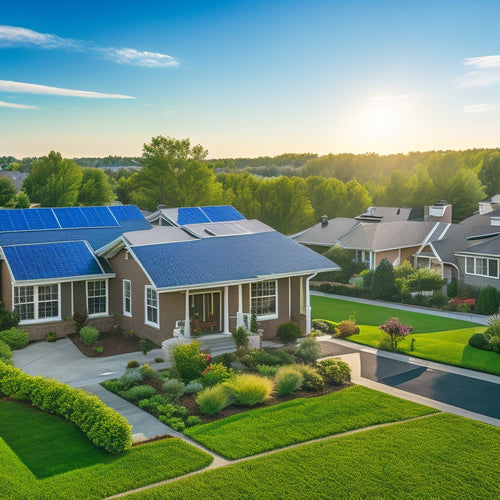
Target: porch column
{"points": [[302, 296], [240, 298], [226, 309], [187, 326]]}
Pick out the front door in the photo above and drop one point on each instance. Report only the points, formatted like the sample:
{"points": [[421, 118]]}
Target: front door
{"points": [[205, 312]]}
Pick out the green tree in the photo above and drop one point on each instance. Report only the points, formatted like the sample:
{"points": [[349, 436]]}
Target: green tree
{"points": [[343, 258], [464, 191], [488, 301], [7, 191], [327, 196], [54, 181], [95, 189], [489, 174], [243, 187], [357, 201], [383, 285], [397, 190], [163, 159], [22, 200]]}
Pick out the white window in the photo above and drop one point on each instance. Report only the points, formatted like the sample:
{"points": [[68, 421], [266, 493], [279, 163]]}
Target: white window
{"points": [[481, 266], [34, 303], [151, 299], [97, 297], [127, 298], [263, 299]]}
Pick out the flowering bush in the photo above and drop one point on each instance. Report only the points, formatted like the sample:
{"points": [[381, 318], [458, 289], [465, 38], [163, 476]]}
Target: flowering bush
{"points": [[396, 330], [462, 305]]}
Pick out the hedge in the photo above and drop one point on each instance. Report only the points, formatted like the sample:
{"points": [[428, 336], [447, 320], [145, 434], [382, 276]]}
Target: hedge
{"points": [[103, 426]]}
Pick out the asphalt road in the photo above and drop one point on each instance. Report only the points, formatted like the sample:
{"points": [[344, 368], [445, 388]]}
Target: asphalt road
{"points": [[468, 393]]}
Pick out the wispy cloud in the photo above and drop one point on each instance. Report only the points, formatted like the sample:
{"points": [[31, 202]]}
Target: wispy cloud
{"points": [[32, 88], [485, 72], [4, 104], [139, 58], [13, 36], [481, 108]]}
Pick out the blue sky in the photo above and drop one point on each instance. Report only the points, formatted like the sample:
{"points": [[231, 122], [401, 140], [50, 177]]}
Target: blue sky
{"points": [[249, 78]]}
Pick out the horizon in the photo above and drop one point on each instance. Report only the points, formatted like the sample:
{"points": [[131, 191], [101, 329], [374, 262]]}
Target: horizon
{"points": [[249, 80]]}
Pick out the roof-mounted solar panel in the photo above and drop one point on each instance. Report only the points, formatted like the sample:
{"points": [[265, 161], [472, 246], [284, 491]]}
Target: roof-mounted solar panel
{"points": [[191, 215], [126, 212], [98, 217], [225, 213], [40, 218]]}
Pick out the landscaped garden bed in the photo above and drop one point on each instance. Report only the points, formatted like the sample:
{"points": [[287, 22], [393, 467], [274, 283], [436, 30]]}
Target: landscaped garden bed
{"points": [[112, 343]]}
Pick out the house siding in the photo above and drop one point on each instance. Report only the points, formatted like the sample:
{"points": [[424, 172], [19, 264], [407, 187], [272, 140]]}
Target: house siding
{"points": [[476, 281]]}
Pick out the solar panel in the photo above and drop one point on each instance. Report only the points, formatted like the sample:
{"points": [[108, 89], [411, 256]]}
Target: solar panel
{"points": [[40, 218], [70, 217], [225, 229], [223, 213], [51, 260], [126, 212], [192, 215], [98, 217], [5, 223]]}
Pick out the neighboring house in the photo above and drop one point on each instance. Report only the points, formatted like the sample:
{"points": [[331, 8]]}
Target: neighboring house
{"points": [[16, 177], [207, 268], [381, 232]]}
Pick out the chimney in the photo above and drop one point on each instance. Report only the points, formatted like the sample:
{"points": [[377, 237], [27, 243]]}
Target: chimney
{"points": [[440, 212], [324, 220]]}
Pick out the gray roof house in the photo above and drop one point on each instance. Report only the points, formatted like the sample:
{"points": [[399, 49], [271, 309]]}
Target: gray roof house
{"points": [[206, 268]]}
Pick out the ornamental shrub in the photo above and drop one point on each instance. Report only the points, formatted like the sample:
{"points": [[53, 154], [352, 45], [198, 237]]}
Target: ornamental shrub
{"points": [[5, 353], [289, 332], [346, 329], [152, 403], [283, 357], [249, 389], [325, 326], [89, 335], [147, 372], [138, 392], [133, 364], [193, 387], [396, 330], [14, 337], [254, 326], [487, 302], [334, 371], [146, 346], [383, 285], [266, 370], [452, 289], [480, 341], [313, 381], [215, 374], [51, 336], [104, 427], [189, 361], [493, 326], [193, 420], [130, 378], [173, 390], [79, 318], [494, 344], [212, 400], [288, 380], [309, 350], [240, 337]]}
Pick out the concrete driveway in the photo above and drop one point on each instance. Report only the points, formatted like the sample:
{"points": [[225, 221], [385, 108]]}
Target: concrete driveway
{"points": [[63, 361]]}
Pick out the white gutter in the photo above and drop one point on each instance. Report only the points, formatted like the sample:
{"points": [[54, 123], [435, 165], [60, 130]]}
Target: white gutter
{"points": [[308, 305]]}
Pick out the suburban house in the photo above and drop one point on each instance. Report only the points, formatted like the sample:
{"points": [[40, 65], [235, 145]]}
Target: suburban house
{"points": [[381, 232], [188, 270]]}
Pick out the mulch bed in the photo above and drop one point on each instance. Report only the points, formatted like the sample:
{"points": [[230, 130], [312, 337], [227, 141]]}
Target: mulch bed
{"points": [[112, 343], [193, 409]]}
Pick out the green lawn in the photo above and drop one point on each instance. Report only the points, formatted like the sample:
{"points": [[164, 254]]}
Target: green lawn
{"points": [[438, 339], [443, 456], [338, 310], [43, 456], [301, 420]]}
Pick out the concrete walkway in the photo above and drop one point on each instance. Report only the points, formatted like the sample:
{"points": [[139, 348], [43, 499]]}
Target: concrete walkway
{"points": [[473, 318]]}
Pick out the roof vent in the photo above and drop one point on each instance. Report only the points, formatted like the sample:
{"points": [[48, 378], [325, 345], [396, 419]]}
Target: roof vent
{"points": [[324, 220], [161, 207]]}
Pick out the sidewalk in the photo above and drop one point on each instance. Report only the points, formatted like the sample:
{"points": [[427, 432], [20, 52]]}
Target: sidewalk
{"points": [[473, 318]]}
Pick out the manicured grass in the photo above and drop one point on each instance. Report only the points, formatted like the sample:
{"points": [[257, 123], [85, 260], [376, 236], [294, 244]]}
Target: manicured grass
{"points": [[438, 339], [301, 420], [443, 456], [338, 310], [43, 456]]}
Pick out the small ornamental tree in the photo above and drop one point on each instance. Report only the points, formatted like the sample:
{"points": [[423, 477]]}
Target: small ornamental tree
{"points": [[383, 284], [396, 330], [487, 302]]}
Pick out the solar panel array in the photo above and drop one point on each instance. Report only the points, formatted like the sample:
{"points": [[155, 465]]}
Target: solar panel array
{"points": [[51, 260], [203, 215], [36, 219]]}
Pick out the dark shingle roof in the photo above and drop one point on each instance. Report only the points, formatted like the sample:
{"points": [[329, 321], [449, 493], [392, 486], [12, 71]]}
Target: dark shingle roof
{"points": [[227, 259], [325, 234]]}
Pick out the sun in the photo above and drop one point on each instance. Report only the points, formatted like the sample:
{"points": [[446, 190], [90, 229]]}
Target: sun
{"points": [[382, 120]]}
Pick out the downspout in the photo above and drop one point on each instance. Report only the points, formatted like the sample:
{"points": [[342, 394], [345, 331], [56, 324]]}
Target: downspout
{"points": [[308, 304]]}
